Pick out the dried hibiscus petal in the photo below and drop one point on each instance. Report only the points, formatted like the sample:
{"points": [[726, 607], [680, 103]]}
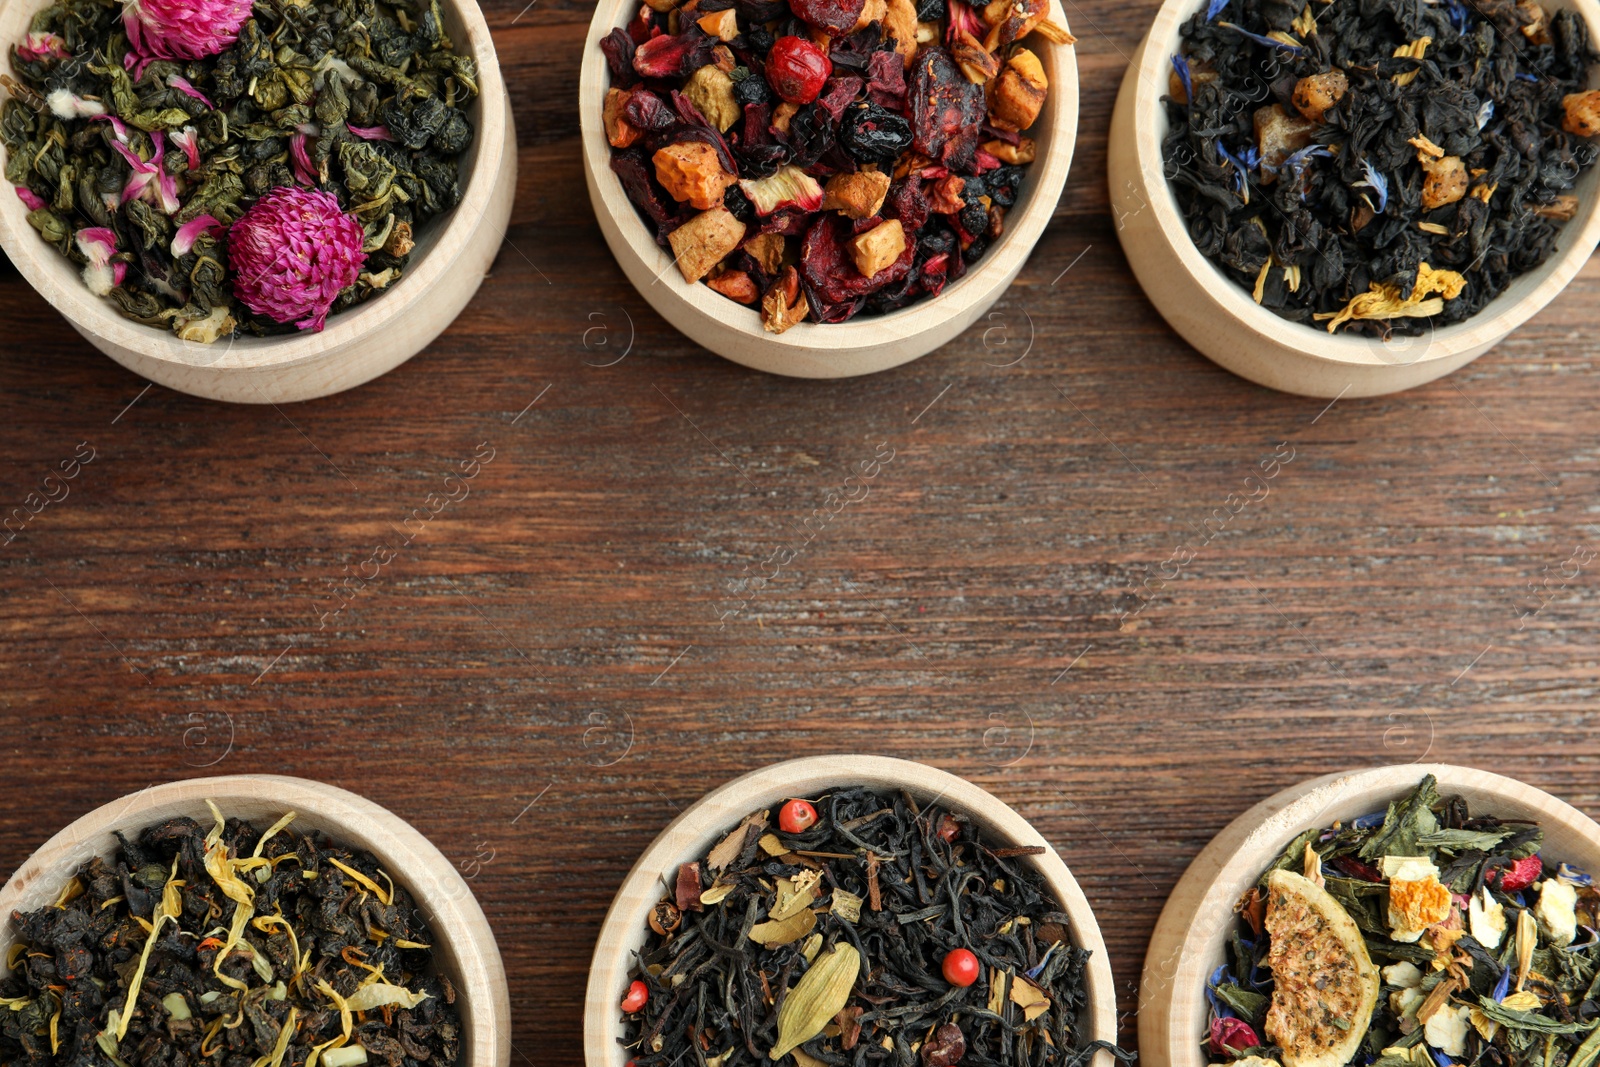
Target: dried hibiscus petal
{"points": [[670, 56], [619, 48], [838, 93], [645, 110], [826, 266]]}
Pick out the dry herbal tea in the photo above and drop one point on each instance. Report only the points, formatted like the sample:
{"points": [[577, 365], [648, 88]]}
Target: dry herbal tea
{"points": [[1422, 936], [1379, 166], [822, 158], [229, 946], [217, 166], [861, 929]]}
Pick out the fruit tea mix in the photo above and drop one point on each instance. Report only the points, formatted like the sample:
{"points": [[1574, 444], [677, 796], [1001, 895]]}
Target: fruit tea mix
{"points": [[215, 166], [1423, 936], [822, 158], [860, 929], [1379, 166], [233, 947]]}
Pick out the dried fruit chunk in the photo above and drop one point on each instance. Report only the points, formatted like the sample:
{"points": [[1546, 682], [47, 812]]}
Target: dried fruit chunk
{"points": [[1324, 983], [878, 247], [946, 109], [784, 305], [1200, 73], [973, 59], [900, 23], [692, 172], [826, 266], [710, 90], [834, 17], [1278, 136], [620, 133], [858, 196], [767, 250], [702, 242], [1024, 151], [1019, 92], [789, 187], [736, 285], [1444, 182], [1581, 113], [872, 11], [1316, 93], [723, 25]]}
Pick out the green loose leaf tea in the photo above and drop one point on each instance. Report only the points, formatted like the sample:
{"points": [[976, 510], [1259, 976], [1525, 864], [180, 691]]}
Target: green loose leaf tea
{"points": [[1421, 936], [235, 947], [1379, 166], [861, 929], [215, 166]]}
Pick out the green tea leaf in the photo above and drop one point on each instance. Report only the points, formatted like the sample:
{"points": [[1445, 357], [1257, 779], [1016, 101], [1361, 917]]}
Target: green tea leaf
{"points": [[1466, 840], [1530, 1020], [1407, 821]]}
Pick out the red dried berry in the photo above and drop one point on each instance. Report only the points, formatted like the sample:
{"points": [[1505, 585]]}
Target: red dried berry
{"points": [[796, 69], [1521, 874], [796, 817], [960, 967], [833, 17], [638, 994]]}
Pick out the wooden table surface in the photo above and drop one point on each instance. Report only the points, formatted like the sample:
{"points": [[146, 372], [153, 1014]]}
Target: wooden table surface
{"points": [[539, 666]]}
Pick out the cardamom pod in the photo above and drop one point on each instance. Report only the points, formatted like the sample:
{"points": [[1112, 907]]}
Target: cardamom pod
{"points": [[816, 998]]}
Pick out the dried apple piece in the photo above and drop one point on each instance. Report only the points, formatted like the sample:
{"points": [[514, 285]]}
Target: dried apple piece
{"points": [[703, 241]]}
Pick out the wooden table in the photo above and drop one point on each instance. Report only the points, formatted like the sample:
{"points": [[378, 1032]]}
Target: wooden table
{"points": [[541, 672]]}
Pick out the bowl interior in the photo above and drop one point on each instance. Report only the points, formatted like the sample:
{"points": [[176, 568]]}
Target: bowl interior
{"points": [[1054, 132], [464, 949], [1529, 292], [1570, 836], [57, 278], [694, 832]]}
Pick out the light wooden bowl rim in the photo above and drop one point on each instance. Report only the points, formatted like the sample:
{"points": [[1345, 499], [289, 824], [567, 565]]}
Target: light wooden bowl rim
{"points": [[462, 937], [442, 241], [1575, 242], [792, 351], [1187, 944], [706, 821]]}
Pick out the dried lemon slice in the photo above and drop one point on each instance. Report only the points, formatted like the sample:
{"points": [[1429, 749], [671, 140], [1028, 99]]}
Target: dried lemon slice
{"points": [[1324, 983]]}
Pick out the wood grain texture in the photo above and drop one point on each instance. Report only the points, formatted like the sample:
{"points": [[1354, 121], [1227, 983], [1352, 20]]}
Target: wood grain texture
{"points": [[1364, 612]]}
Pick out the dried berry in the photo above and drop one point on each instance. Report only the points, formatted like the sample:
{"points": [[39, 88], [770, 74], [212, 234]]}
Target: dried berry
{"points": [[796, 69], [752, 89], [946, 1047], [834, 17], [945, 109], [873, 134]]}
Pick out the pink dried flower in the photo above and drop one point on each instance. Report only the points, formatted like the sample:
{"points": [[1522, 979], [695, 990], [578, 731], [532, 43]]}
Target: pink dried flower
{"points": [[292, 254], [1231, 1036], [149, 180], [38, 45], [99, 244], [188, 139], [185, 86], [183, 29], [371, 133], [32, 199], [190, 232], [304, 171]]}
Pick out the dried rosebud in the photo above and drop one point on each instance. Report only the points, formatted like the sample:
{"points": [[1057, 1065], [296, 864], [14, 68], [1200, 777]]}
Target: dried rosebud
{"points": [[736, 285], [1231, 1036], [945, 1048], [183, 29], [292, 254]]}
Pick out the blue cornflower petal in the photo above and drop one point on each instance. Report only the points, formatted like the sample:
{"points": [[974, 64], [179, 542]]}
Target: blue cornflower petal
{"points": [[1441, 1059], [1369, 822], [1241, 168], [1268, 41], [1502, 987], [1568, 873], [1460, 18], [1485, 113], [1523, 75], [1377, 183], [1181, 65], [1034, 972], [1214, 8], [1220, 976]]}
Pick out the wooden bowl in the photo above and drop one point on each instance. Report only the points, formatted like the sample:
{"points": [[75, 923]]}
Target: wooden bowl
{"points": [[692, 834], [1216, 315], [453, 252], [1189, 938], [838, 350], [463, 944]]}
